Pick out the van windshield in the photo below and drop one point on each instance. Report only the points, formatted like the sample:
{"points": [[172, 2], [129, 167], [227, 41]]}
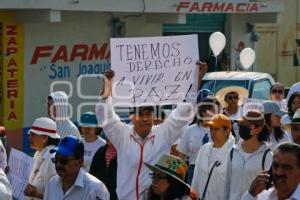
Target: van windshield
{"points": [[216, 85]]}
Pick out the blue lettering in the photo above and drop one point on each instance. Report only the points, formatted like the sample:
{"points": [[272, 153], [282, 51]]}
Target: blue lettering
{"points": [[59, 71]]}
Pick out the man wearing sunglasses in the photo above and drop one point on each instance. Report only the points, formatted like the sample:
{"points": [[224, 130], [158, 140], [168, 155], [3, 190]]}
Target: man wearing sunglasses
{"points": [[72, 182]]}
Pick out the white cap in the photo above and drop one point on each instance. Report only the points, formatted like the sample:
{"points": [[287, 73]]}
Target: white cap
{"points": [[44, 126]]}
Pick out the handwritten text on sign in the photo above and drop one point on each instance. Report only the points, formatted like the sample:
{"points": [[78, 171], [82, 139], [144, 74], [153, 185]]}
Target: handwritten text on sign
{"points": [[20, 166], [154, 69]]}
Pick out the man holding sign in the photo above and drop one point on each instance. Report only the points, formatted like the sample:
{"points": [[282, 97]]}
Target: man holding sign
{"points": [[141, 142]]}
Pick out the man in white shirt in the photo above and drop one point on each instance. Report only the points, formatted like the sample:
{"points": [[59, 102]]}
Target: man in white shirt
{"points": [[142, 142], [285, 175], [72, 182]]}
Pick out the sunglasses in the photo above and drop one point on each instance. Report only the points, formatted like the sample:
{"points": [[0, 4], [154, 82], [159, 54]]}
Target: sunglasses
{"points": [[274, 91], [62, 161], [232, 96]]}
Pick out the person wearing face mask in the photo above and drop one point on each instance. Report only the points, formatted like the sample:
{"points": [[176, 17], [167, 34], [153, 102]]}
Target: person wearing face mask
{"points": [[249, 157]]}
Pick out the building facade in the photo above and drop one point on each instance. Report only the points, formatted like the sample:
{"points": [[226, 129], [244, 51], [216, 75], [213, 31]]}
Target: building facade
{"points": [[48, 45]]}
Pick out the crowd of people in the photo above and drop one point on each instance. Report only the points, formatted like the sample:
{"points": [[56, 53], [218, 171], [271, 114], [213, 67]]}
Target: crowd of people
{"points": [[223, 151]]}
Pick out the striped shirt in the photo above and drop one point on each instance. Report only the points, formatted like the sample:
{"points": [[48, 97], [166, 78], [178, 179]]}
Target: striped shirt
{"points": [[110, 154]]}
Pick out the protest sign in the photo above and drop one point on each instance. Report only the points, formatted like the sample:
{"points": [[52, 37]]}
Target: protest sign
{"points": [[20, 166], [154, 70]]}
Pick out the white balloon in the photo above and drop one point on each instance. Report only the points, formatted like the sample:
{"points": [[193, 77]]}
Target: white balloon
{"points": [[217, 42], [247, 57]]}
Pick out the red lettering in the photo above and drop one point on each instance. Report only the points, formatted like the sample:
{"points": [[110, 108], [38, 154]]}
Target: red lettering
{"points": [[11, 30], [12, 105], [12, 93], [96, 53], [107, 55], [12, 115], [207, 6], [13, 83], [241, 7], [61, 54], [11, 50], [195, 7], [229, 8], [79, 50], [43, 51], [11, 41], [182, 5], [219, 7], [12, 63], [12, 72], [253, 8]]}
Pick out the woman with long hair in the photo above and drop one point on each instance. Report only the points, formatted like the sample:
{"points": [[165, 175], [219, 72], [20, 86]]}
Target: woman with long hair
{"points": [[249, 157], [293, 103], [273, 114]]}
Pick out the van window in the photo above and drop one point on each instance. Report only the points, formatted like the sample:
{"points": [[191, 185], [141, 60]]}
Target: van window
{"points": [[259, 89], [216, 85]]}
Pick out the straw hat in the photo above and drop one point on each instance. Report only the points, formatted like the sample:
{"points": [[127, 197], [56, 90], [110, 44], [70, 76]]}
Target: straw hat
{"points": [[220, 95]]}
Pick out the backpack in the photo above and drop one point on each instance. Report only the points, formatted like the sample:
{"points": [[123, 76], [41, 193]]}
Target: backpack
{"points": [[263, 158]]}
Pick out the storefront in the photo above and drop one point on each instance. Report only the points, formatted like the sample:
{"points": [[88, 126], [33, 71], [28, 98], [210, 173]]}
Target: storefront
{"points": [[49, 45]]}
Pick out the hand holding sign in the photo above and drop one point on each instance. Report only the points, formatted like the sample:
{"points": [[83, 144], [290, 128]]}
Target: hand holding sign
{"points": [[217, 42], [247, 58]]}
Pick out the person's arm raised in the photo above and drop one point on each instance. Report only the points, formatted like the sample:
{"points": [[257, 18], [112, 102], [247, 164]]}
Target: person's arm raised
{"points": [[113, 128]]}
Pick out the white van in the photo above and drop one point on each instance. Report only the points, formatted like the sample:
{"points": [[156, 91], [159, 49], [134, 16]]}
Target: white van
{"points": [[257, 83]]}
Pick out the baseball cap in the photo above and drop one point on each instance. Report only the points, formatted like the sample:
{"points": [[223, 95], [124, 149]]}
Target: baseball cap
{"points": [[204, 95], [272, 107], [67, 146], [88, 119], [219, 121], [137, 110]]}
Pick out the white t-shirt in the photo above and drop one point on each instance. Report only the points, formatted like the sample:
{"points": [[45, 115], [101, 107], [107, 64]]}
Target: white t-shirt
{"points": [[90, 149], [213, 155], [274, 143], [192, 140]]}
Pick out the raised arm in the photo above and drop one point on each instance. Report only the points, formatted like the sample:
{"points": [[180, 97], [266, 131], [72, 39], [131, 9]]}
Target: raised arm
{"points": [[113, 128]]}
